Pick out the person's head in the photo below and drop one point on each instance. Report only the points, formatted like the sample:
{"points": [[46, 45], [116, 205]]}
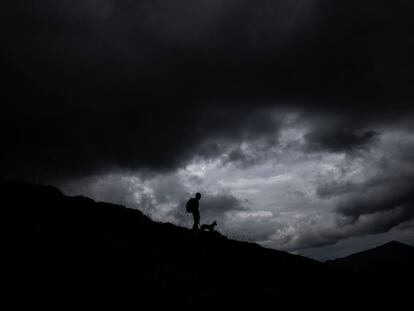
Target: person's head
{"points": [[198, 196]]}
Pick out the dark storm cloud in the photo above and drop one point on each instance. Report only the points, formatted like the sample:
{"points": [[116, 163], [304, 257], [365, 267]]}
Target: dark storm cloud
{"points": [[221, 203], [247, 155], [330, 189], [378, 204], [358, 225], [89, 86], [381, 221], [386, 195], [339, 140]]}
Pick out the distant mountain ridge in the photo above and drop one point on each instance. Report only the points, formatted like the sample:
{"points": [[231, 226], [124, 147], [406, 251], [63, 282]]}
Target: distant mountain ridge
{"points": [[388, 252], [68, 250], [393, 260]]}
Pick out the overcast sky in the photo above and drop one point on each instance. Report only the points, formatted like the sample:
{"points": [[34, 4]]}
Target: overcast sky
{"points": [[293, 118]]}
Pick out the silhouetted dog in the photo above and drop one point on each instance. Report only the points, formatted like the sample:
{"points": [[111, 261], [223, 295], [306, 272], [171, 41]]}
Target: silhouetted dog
{"points": [[208, 227]]}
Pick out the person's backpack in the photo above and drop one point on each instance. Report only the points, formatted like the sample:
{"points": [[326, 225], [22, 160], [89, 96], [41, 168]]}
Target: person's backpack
{"points": [[189, 206]]}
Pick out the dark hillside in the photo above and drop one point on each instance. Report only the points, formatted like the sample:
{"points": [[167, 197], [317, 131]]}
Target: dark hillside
{"points": [[74, 252], [390, 263]]}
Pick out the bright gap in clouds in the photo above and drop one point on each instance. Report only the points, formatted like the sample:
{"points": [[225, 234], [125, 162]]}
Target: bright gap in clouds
{"points": [[280, 195]]}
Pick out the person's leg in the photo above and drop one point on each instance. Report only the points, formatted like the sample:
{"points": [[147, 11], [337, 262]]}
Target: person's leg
{"points": [[196, 216]]}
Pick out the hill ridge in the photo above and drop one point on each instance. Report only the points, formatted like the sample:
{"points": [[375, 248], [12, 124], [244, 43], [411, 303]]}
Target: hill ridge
{"points": [[118, 257]]}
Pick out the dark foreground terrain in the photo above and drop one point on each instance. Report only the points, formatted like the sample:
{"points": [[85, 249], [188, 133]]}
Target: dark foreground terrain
{"points": [[75, 253]]}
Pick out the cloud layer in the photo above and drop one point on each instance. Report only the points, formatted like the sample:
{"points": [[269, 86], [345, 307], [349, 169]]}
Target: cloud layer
{"points": [[89, 86], [294, 117]]}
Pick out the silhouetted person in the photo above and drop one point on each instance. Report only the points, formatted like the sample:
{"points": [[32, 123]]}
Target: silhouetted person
{"points": [[193, 208]]}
